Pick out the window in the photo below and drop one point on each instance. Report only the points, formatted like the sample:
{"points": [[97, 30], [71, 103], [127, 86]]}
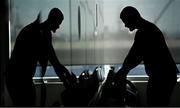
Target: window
{"points": [[92, 34]]}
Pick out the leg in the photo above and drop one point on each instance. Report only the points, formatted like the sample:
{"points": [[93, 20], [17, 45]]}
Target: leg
{"points": [[159, 92], [21, 93]]}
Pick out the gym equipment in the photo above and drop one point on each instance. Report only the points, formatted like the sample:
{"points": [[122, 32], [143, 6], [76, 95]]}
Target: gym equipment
{"points": [[90, 91]]}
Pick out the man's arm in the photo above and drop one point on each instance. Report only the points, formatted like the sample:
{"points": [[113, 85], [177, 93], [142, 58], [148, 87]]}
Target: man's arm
{"points": [[133, 58], [60, 70]]}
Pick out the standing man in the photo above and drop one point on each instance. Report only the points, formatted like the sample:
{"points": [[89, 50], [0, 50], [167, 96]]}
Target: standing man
{"points": [[33, 45], [150, 48]]}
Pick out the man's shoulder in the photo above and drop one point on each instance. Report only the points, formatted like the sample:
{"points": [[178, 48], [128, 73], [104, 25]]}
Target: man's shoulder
{"points": [[147, 28], [33, 25], [30, 28]]}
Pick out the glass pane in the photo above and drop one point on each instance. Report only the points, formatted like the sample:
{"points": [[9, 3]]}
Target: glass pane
{"points": [[92, 33]]}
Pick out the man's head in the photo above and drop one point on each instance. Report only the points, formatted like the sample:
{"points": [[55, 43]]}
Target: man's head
{"points": [[130, 16], [55, 18]]}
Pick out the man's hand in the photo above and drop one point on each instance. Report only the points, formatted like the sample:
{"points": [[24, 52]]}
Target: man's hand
{"points": [[70, 80], [120, 75], [120, 79], [116, 84]]}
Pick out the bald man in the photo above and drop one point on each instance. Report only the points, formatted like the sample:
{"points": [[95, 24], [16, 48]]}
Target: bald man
{"points": [[150, 48], [33, 45]]}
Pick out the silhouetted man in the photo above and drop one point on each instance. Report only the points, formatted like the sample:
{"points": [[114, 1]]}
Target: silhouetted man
{"points": [[33, 45], [150, 47]]}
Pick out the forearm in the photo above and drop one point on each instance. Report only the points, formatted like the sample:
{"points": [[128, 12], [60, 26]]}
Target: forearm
{"points": [[133, 58], [60, 70]]}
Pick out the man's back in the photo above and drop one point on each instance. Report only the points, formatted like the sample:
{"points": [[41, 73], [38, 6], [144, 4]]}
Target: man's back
{"points": [[24, 55], [156, 55]]}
